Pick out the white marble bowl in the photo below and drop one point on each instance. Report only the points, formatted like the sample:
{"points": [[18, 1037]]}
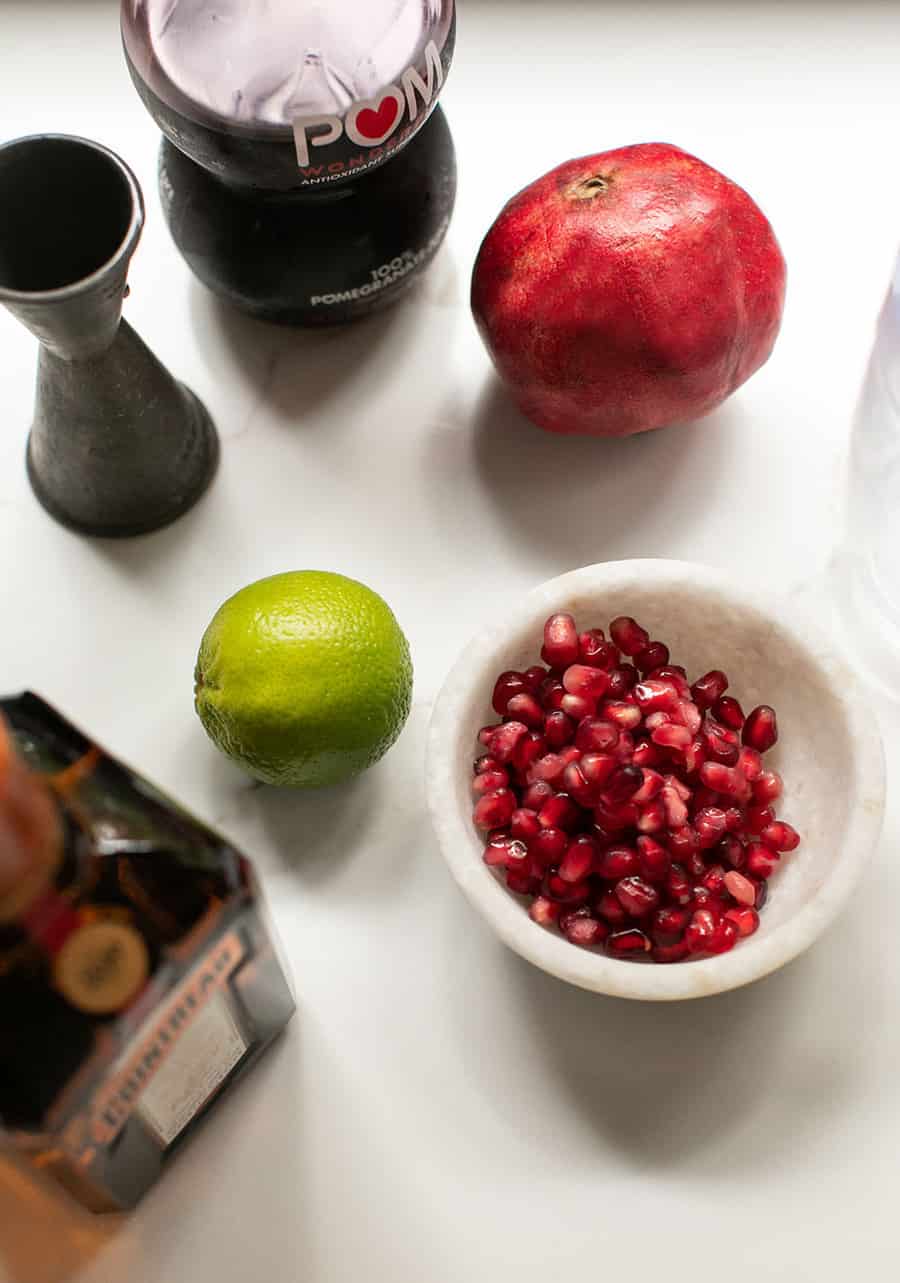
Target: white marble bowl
{"points": [[829, 754]]}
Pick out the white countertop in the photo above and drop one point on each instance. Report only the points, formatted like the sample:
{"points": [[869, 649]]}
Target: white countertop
{"points": [[440, 1112]]}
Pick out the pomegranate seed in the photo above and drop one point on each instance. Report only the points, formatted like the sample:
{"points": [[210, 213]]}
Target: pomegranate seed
{"points": [[646, 754], [549, 847], [489, 782], [669, 924], [708, 688], [624, 944], [681, 789], [507, 684], [659, 718], [724, 937], [710, 826], [548, 769], [650, 787], [536, 795], [731, 851], [628, 635], [551, 694], [559, 812], [579, 859], [560, 646], [676, 952], [678, 885], [654, 860], [780, 836], [762, 861], [622, 785], [610, 910], [651, 657], [677, 737], [592, 644], [622, 679], [720, 742], [581, 927], [683, 842], [768, 787], [714, 879], [740, 888], [559, 729], [497, 850], [652, 817], [598, 767], [494, 810], [485, 763], [700, 931], [746, 920], [570, 754], [534, 677], [523, 824], [729, 712], [675, 674], [689, 715], [566, 892], [693, 757], [695, 865], [703, 898], [595, 735], [624, 750], [636, 896], [760, 729], [589, 683], [676, 811], [578, 706], [626, 716], [762, 892], [758, 818], [614, 820], [734, 819], [518, 858], [750, 764], [617, 862], [521, 883], [529, 749], [575, 784], [656, 696], [486, 734], [505, 738], [525, 708], [544, 911], [722, 779]]}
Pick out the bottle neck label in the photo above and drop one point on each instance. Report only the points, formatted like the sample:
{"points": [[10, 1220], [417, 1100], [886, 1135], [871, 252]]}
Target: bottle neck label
{"points": [[331, 149]]}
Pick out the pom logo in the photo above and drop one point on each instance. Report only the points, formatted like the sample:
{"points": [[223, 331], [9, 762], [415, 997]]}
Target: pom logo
{"points": [[372, 124]]}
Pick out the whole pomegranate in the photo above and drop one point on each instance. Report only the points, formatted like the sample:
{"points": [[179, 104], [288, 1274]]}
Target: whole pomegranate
{"points": [[627, 291]]}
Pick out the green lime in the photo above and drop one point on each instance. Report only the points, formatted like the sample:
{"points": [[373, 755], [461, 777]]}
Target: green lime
{"points": [[304, 678]]}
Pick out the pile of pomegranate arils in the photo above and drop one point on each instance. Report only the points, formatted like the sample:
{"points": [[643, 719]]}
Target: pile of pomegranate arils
{"points": [[634, 809]]}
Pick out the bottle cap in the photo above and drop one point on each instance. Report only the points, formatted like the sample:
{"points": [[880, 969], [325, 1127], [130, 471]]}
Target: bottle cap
{"points": [[31, 837], [352, 82]]}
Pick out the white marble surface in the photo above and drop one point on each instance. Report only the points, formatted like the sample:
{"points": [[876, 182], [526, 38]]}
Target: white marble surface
{"points": [[440, 1110]]}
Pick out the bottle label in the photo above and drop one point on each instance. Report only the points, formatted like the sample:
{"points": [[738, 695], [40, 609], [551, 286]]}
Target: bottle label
{"points": [[101, 967], [179, 1059], [384, 277], [332, 148]]}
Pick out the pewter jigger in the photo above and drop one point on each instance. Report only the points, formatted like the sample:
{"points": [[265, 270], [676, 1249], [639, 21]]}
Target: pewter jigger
{"points": [[117, 446]]}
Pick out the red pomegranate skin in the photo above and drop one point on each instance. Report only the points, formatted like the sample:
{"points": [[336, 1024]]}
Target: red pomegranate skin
{"points": [[628, 291]]}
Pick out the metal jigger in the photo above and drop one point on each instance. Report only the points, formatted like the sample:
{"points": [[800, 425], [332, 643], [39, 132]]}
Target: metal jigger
{"points": [[117, 446]]}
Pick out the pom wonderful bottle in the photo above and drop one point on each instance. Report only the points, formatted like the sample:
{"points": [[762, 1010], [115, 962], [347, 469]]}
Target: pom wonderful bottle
{"points": [[307, 174]]}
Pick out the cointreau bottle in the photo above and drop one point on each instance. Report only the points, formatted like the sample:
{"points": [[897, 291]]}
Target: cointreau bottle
{"points": [[138, 976]]}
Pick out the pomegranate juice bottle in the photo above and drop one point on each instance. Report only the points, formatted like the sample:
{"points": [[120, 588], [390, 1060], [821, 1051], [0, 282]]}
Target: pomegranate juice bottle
{"points": [[307, 173]]}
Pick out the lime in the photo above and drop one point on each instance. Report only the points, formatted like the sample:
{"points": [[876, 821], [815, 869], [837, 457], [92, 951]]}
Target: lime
{"points": [[303, 679]]}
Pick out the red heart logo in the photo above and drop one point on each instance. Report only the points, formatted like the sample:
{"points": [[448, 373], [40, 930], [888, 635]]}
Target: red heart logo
{"points": [[376, 122]]}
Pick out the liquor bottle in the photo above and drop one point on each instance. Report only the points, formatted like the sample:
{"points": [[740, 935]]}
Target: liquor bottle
{"points": [[138, 973], [307, 174]]}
